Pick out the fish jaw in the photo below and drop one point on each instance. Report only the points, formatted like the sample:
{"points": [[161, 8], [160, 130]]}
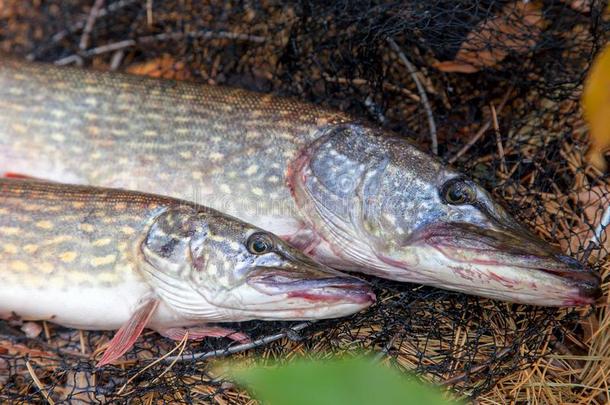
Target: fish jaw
{"points": [[325, 290], [494, 280], [503, 264], [278, 295]]}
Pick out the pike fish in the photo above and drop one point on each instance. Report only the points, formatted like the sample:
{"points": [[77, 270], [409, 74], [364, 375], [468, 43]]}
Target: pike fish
{"points": [[105, 259], [340, 189]]}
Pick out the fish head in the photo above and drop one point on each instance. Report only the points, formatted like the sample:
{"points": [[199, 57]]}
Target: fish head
{"points": [[386, 208], [207, 265]]}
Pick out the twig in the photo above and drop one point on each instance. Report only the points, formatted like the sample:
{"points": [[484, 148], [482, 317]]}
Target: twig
{"points": [[93, 14], [359, 82], [96, 51], [47, 332], [127, 43], [180, 346], [387, 347], [169, 367], [116, 60], [102, 12], [239, 348], [496, 127], [596, 239], [422, 92], [57, 37], [462, 376], [81, 336], [38, 384], [149, 12], [601, 227], [203, 34], [481, 130]]}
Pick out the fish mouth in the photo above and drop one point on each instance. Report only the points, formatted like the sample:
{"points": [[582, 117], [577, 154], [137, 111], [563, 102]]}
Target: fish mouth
{"points": [[337, 289], [557, 279]]}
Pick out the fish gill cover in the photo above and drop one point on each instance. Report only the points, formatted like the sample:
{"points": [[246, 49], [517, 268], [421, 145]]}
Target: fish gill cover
{"points": [[493, 85]]}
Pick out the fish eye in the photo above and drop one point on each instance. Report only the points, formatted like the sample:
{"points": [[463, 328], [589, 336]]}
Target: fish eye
{"points": [[458, 192], [260, 243]]}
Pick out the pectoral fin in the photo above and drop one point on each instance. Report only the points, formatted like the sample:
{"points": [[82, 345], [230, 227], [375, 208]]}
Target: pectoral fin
{"points": [[11, 175], [126, 336]]}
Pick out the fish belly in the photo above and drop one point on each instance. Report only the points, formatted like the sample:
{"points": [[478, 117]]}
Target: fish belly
{"points": [[78, 307]]}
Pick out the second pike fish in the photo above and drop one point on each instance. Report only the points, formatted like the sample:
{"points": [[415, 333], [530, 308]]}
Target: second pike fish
{"points": [[351, 195], [93, 258]]}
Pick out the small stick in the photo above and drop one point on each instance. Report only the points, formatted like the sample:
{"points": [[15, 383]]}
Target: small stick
{"points": [[601, 227], [81, 337], [183, 346], [494, 117], [149, 13], [47, 332], [462, 376], [239, 348], [116, 46], [59, 36], [422, 92], [387, 347], [96, 51], [102, 12], [38, 384], [116, 60], [359, 82], [481, 130], [95, 10], [180, 346]]}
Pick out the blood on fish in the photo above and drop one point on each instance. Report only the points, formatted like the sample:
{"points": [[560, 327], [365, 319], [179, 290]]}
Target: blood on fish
{"points": [[312, 297], [392, 262], [505, 282], [464, 273]]}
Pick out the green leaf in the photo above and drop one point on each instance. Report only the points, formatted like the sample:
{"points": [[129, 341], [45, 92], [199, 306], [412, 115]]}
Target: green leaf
{"points": [[333, 382]]}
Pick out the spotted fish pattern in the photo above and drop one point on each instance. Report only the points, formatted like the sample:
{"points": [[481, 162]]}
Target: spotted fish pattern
{"points": [[137, 133], [88, 257], [339, 189]]}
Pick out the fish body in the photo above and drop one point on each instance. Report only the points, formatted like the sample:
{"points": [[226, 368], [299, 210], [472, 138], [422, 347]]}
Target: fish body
{"points": [[345, 192], [88, 257]]}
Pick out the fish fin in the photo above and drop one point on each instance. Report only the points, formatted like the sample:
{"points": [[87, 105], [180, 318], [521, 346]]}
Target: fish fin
{"points": [[203, 331], [11, 175], [126, 336]]}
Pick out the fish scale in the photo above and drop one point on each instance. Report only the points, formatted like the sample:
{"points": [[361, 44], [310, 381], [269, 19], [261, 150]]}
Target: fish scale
{"points": [[82, 239], [340, 189], [91, 112], [75, 255]]}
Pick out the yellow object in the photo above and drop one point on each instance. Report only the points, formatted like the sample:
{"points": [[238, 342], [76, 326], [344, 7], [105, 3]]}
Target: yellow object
{"points": [[596, 107]]}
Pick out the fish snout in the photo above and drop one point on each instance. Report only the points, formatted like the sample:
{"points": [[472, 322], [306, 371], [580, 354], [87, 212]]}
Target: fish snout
{"points": [[333, 289], [521, 267], [580, 277]]}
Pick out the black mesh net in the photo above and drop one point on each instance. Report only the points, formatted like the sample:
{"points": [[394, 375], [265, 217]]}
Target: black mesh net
{"points": [[494, 83]]}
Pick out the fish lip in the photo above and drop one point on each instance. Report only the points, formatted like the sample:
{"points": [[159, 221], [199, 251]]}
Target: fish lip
{"points": [[513, 247], [332, 289]]}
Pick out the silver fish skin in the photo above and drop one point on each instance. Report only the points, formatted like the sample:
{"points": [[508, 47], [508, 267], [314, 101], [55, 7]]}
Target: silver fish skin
{"points": [[346, 192]]}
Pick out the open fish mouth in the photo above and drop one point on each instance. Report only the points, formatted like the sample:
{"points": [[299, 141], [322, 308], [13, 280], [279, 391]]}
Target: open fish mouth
{"points": [[331, 290], [519, 257]]}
